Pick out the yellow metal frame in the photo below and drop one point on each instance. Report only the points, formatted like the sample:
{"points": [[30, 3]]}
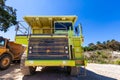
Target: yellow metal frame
{"points": [[48, 36], [50, 62]]}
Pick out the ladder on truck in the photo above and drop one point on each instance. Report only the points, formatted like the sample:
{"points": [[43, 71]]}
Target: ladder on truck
{"points": [[76, 42]]}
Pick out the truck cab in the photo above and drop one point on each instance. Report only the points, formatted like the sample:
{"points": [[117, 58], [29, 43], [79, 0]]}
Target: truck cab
{"points": [[2, 42]]}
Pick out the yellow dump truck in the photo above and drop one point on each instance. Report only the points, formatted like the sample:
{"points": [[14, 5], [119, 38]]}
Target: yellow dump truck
{"points": [[9, 51], [52, 41]]}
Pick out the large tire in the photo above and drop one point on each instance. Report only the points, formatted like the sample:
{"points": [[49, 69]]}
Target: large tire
{"points": [[26, 70], [74, 71], [68, 69], [16, 62], [5, 61]]}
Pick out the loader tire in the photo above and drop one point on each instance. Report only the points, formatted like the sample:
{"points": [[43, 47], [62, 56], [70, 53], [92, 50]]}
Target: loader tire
{"points": [[26, 70], [75, 71], [5, 61], [16, 62]]}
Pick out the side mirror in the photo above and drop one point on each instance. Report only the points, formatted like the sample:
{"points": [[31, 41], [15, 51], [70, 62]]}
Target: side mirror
{"points": [[78, 30], [80, 27]]}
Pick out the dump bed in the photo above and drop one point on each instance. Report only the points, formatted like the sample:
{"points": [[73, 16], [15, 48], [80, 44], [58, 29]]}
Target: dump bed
{"points": [[16, 49]]}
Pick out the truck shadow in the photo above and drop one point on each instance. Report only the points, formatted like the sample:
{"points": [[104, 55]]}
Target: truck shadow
{"points": [[59, 74]]}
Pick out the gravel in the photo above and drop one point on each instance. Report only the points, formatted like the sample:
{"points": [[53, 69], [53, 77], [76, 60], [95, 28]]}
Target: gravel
{"points": [[108, 70], [93, 72]]}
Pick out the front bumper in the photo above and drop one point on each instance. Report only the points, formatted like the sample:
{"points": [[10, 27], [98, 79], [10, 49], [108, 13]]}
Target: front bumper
{"points": [[51, 63]]}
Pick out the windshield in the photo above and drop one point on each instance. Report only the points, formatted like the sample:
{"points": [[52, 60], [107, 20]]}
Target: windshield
{"points": [[2, 42], [63, 25]]}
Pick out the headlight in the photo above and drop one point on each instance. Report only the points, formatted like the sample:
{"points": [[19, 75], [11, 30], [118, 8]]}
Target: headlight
{"points": [[66, 52], [30, 47], [66, 47], [30, 51]]}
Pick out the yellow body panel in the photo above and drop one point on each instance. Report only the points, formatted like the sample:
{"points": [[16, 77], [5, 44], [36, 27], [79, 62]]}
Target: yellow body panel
{"points": [[76, 41], [22, 40], [50, 63], [2, 50]]}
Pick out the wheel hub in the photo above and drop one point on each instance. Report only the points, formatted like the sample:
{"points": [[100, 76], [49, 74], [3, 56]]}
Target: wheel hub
{"points": [[5, 61]]}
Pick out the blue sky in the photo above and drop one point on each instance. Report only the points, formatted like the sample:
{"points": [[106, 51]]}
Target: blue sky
{"points": [[100, 18]]}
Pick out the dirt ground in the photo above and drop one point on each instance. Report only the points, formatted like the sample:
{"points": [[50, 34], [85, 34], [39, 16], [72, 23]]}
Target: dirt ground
{"points": [[93, 72]]}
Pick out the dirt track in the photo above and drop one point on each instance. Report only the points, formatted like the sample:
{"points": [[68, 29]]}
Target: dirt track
{"points": [[13, 73]]}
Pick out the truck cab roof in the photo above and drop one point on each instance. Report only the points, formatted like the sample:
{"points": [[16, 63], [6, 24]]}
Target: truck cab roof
{"points": [[43, 21]]}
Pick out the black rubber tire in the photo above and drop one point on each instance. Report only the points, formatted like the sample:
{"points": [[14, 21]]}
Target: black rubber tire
{"points": [[68, 69], [16, 61], [32, 70], [75, 71], [3, 57]]}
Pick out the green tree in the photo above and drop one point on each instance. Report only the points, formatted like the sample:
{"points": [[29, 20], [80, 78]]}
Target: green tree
{"points": [[104, 45], [98, 42], [99, 45], [114, 45], [92, 47], [7, 16], [109, 44], [91, 44]]}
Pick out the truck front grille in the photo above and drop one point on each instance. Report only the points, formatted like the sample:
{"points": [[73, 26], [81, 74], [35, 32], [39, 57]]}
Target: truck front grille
{"points": [[48, 48]]}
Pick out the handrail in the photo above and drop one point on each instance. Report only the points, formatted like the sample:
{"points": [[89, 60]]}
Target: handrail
{"points": [[21, 29]]}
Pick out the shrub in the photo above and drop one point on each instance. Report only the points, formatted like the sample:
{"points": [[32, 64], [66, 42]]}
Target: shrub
{"points": [[99, 57], [117, 61]]}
